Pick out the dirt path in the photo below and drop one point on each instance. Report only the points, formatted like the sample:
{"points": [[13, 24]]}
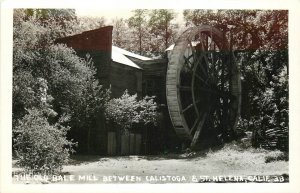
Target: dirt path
{"points": [[140, 169], [223, 165]]}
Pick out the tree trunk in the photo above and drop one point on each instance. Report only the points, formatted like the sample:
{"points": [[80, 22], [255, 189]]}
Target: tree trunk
{"points": [[140, 41], [166, 36]]}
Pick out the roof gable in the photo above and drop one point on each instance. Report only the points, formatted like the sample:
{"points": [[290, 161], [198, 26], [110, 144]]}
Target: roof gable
{"points": [[127, 53], [118, 56]]}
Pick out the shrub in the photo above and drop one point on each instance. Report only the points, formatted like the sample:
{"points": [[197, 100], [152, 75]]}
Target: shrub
{"points": [[277, 156], [41, 147], [128, 110]]}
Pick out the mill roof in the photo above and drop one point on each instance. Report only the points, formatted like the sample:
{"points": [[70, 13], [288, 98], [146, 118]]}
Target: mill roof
{"points": [[120, 55], [171, 47]]}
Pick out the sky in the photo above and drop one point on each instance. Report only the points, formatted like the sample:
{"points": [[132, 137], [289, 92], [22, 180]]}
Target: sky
{"points": [[110, 14], [107, 13]]}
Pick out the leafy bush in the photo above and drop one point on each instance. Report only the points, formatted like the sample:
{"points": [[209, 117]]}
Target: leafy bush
{"points": [[274, 122], [277, 156], [41, 147], [128, 110], [70, 80], [269, 126]]}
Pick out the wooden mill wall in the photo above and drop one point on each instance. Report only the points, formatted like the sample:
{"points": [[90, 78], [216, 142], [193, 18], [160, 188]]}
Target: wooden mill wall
{"points": [[97, 43], [124, 77], [154, 76]]}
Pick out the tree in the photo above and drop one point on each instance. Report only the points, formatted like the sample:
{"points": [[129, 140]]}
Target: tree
{"points": [[70, 80], [146, 32], [87, 23], [59, 21], [139, 24], [30, 39], [120, 36], [259, 39], [45, 14], [161, 26], [88, 107], [250, 29]]}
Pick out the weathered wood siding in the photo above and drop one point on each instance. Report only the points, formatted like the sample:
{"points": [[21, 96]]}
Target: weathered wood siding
{"points": [[111, 143], [124, 77], [154, 78], [131, 143]]}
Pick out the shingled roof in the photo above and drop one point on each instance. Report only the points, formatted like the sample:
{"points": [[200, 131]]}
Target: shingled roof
{"points": [[118, 55]]}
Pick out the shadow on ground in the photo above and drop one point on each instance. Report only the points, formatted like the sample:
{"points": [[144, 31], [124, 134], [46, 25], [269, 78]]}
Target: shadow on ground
{"points": [[85, 159]]}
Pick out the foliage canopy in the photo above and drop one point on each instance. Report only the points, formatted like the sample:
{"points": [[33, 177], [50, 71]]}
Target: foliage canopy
{"points": [[128, 110]]}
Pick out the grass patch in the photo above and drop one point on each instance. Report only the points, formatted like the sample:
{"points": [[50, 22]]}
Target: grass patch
{"points": [[277, 156], [233, 154]]}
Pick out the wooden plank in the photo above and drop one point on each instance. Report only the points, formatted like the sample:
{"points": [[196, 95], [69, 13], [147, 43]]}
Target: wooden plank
{"points": [[197, 132], [176, 118], [170, 83], [124, 144], [175, 115], [131, 144], [180, 131], [108, 143], [172, 97], [138, 143], [177, 123], [174, 111], [111, 143], [173, 103], [170, 77], [172, 100], [171, 89], [171, 94]]}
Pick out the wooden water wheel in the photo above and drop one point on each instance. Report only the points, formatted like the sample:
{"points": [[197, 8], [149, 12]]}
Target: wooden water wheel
{"points": [[203, 84]]}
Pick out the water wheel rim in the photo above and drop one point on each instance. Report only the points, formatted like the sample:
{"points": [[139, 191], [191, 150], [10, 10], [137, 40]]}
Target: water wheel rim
{"points": [[183, 128]]}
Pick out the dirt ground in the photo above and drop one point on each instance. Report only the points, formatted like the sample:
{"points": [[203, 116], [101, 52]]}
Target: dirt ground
{"points": [[219, 166]]}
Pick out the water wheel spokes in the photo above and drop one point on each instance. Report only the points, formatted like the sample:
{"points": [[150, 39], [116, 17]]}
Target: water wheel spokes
{"points": [[203, 84]]}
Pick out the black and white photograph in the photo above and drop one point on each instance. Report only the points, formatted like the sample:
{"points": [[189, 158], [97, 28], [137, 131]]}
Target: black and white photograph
{"points": [[150, 96]]}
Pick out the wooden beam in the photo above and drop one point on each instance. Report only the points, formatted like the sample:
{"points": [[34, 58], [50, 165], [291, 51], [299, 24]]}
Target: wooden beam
{"points": [[197, 133]]}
